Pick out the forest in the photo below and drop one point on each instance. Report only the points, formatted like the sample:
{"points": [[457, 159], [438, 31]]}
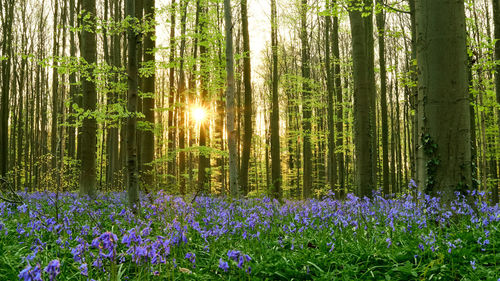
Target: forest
{"points": [[249, 139]]}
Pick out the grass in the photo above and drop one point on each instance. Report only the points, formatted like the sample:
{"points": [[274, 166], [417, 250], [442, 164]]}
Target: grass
{"points": [[260, 239]]}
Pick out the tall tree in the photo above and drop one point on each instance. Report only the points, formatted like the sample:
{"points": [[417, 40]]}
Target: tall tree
{"points": [[181, 92], [55, 86], [332, 164], [171, 98], [133, 77], [148, 101], [338, 105], [89, 126], [247, 107], [230, 105], [306, 101], [6, 72], [443, 95], [361, 16], [496, 25], [204, 158], [275, 110], [380, 19]]}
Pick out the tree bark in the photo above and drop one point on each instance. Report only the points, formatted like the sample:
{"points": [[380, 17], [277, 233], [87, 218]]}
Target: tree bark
{"points": [[364, 99], [247, 108], [306, 102], [275, 111], [89, 127], [496, 24], [380, 18], [148, 102], [443, 95], [133, 188]]}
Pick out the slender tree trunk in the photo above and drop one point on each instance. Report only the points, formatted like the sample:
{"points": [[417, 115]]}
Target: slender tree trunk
{"points": [[443, 91], [89, 127], [275, 111], [332, 163], [72, 85], [181, 92], [380, 18], [148, 102], [55, 86], [230, 107], [247, 108], [496, 24], [339, 107], [133, 189], [306, 103], [4, 100], [364, 101], [204, 158], [171, 99]]}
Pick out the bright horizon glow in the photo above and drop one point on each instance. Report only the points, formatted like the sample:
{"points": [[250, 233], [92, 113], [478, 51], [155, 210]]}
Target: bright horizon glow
{"points": [[198, 113]]}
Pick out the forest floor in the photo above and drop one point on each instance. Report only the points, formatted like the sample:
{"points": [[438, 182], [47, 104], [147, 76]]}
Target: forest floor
{"points": [[66, 237]]}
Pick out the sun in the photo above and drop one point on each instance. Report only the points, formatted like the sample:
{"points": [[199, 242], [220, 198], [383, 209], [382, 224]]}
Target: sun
{"points": [[198, 113]]}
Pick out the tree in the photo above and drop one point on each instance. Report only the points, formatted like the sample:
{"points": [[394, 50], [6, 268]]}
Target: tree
{"points": [[275, 110], [171, 98], [380, 19], [133, 188], [364, 95], [89, 126], [332, 164], [306, 101], [443, 96], [204, 158], [148, 102], [247, 107], [496, 25], [230, 106]]}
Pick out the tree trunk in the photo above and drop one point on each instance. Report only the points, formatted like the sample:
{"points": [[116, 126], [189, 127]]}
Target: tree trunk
{"points": [[275, 111], [306, 102], [181, 92], [364, 100], [380, 18], [247, 108], [89, 127], [148, 102], [230, 107], [133, 189], [443, 92], [332, 163], [171, 98], [496, 22]]}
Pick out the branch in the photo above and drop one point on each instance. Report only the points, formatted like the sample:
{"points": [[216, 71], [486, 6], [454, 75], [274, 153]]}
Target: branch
{"points": [[396, 9]]}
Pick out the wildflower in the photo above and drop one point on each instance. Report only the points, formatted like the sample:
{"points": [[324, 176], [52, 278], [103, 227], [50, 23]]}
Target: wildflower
{"points": [[473, 264], [191, 257], [53, 269], [31, 274], [233, 255], [84, 270], [223, 265], [389, 242]]}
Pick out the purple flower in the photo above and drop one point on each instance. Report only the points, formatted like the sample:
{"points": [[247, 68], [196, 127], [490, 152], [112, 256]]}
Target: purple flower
{"points": [[234, 255], [31, 274], [389, 242], [223, 265], [53, 269], [191, 257], [473, 264], [84, 270]]}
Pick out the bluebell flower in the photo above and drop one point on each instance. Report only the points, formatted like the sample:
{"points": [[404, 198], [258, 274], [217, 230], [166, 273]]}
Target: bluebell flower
{"points": [[223, 265], [84, 270], [53, 269], [473, 264]]}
